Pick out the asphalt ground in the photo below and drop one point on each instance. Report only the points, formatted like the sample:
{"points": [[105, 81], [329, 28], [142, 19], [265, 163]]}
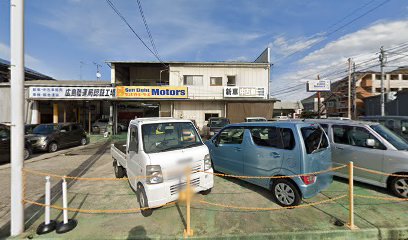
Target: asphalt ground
{"points": [[375, 219]]}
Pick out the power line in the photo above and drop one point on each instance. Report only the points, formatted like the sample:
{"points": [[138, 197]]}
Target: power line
{"points": [[147, 27], [134, 32], [334, 31]]}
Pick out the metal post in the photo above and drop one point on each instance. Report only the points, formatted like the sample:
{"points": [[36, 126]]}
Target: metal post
{"points": [[55, 113], [349, 90], [351, 196], [188, 232], [89, 119], [67, 224], [65, 113], [318, 101], [354, 92], [17, 115], [48, 225], [382, 81]]}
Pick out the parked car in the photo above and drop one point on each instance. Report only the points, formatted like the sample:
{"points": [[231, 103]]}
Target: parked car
{"points": [[397, 124], [102, 124], [28, 128], [155, 157], [51, 137], [275, 149], [5, 145], [255, 119], [372, 146], [214, 125]]}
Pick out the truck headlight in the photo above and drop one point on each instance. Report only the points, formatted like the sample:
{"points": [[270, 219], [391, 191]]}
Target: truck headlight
{"points": [[207, 162], [154, 174]]}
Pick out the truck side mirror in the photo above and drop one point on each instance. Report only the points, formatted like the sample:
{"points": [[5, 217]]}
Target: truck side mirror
{"points": [[208, 125]]}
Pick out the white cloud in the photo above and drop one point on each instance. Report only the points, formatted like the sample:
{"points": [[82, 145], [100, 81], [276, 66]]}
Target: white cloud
{"points": [[283, 47], [361, 45], [31, 61]]}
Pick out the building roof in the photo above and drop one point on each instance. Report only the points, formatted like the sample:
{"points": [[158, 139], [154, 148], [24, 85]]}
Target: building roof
{"points": [[288, 105], [73, 83], [29, 73], [191, 63]]}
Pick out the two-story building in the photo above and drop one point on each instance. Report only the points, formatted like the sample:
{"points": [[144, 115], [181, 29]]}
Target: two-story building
{"points": [[212, 89]]}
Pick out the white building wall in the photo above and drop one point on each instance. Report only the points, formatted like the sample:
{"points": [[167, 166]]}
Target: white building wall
{"points": [[197, 110], [245, 76], [400, 84]]}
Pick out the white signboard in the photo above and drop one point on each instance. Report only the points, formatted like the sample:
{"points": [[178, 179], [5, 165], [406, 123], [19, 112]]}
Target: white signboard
{"points": [[72, 92], [231, 92], [318, 86]]}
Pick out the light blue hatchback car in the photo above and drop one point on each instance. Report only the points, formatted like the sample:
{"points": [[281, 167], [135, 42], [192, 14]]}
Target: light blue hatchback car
{"points": [[275, 149]]}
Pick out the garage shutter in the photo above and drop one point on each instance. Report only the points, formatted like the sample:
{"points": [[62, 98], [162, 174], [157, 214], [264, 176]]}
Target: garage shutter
{"points": [[237, 112]]}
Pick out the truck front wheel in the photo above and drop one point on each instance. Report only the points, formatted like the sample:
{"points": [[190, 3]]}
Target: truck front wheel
{"points": [[143, 202], [119, 170]]}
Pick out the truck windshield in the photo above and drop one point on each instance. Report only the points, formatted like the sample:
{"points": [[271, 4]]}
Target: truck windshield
{"points": [[398, 142], [162, 137], [219, 122], [45, 129], [314, 139]]}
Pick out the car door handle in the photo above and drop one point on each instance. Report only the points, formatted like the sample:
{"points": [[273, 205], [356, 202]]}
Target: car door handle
{"points": [[275, 155], [238, 149], [340, 148]]}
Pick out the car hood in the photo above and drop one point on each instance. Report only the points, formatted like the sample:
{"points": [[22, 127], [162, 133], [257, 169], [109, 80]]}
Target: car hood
{"points": [[35, 136]]}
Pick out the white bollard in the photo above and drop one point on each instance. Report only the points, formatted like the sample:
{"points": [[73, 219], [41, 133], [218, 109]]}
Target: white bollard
{"points": [[48, 225], [64, 200], [67, 224]]}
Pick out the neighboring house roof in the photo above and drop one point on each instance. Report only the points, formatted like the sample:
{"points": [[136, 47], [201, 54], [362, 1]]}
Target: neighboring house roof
{"points": [[29, 73], [74, 83], [288, 105]]}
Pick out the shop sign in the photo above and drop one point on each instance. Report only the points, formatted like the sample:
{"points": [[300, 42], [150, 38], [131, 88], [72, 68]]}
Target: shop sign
{"points": [[244, 92], [72, 92], [152, 92], [318, 86]]}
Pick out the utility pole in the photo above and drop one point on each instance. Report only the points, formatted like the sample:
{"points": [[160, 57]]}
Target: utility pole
{"points": [[318, 100], [98, 74], [17, 121], [381, 58], [354, 93], [349, 90]]}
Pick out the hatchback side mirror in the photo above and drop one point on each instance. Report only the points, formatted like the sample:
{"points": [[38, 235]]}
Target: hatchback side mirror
{"points": [[370, 142], [215, 142]]}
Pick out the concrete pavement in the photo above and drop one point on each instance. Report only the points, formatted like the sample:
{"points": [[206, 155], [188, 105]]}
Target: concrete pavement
{"points": [[376, 219]]}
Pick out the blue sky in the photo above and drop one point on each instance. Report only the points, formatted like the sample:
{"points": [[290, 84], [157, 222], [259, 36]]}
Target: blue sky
{"points": [[61, 33]]}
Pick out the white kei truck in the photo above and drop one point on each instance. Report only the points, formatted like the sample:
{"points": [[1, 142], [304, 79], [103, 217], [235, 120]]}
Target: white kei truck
{"points": [[155, 158]]}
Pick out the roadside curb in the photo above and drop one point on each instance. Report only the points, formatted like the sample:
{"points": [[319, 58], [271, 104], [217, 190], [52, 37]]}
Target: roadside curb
{"points": [[45, 156], [369, 233]]}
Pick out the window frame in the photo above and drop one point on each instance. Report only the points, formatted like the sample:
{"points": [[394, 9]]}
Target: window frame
{"points": [[216, 78], [280, 131], [227, 129], [381, 146], [135, 147], [235, 81], [185, 83]]}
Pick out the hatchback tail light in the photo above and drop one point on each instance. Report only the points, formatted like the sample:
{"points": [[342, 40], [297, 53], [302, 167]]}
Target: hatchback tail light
{"points": [[309, 179]]}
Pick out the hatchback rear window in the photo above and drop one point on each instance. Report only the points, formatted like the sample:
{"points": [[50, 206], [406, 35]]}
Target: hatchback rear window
{"points": [[314, 139]]}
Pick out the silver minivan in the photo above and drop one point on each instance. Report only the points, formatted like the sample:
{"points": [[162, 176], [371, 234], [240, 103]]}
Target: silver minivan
{"points": [[372, 146]]}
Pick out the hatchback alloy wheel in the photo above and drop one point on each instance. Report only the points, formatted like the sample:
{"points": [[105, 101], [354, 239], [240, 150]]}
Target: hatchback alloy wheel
{"points": [[284, 194], [401, 187]]}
